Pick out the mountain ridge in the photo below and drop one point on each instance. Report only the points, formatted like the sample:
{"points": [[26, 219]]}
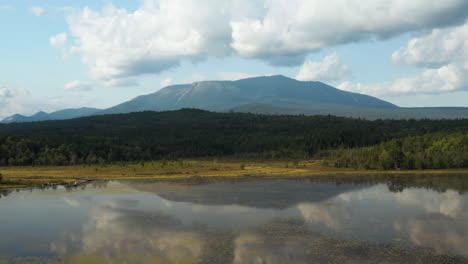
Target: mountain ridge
{"points": [[68, 113], [264, 95], [223, 95]]}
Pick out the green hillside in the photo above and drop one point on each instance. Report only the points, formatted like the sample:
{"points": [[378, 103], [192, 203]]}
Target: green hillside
{"points": [[196, 133], [432, 151]]}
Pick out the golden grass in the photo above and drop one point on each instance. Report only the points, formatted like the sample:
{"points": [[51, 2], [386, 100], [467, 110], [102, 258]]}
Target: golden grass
{"points": [[42, 175]]}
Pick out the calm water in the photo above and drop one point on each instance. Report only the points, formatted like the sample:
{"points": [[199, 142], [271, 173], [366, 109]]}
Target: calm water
{"points": [[243, 221]]}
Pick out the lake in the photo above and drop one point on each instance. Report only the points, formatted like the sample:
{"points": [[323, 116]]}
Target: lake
{"points": [[361, 219]]}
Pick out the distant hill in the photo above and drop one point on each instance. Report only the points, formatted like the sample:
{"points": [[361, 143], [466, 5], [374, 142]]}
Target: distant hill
{"points": [[279, 91], [58, 115], [262, 95]]}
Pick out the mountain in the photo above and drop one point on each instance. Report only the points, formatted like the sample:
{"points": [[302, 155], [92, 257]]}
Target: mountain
{"points": [[263, 95], [16, 118], [58, 115], [279, 91]]}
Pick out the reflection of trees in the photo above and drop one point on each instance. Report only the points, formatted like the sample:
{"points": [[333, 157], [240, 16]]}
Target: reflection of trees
{"points": [[436, 182], [99, 184], [4, 193], [400, 182]]}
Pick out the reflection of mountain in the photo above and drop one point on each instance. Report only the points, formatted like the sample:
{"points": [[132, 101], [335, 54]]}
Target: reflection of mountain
{"points": [[259, 194]]}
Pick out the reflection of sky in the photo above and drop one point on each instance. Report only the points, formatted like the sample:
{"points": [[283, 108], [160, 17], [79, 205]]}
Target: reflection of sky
{"points": [[422, 217], [120, 221]]}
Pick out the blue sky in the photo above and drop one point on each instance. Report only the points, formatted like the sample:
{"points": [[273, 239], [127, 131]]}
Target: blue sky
{"points": [[61, 54]]}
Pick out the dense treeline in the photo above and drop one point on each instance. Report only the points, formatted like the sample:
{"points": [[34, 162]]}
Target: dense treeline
{"points": [[434, 151], [195, 133]]}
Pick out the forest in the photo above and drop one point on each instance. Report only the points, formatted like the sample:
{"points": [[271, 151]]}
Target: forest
{"points": [[433, 151], [188, 133]]}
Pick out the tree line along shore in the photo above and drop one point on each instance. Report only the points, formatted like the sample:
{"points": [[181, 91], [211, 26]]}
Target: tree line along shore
{"points": [[191, 133]]}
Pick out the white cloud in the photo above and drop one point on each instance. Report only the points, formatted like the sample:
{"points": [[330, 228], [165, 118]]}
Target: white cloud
{"points": [[330, 69], [443, 54], [78, 86], [58, 41], [115, 43], [18, 100], [449, 78], [292, 28], [437, 49], [5, 92], [37, 11]]}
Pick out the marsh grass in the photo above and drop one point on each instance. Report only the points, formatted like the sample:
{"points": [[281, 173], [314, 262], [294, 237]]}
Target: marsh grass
{"points": [[15, 177]]}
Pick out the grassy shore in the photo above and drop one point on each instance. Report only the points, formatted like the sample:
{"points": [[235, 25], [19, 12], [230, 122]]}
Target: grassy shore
{"points": [[17, 177]]}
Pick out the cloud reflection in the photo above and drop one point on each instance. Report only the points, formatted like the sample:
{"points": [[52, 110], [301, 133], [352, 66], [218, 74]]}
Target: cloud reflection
{"points": [[121, 234]]}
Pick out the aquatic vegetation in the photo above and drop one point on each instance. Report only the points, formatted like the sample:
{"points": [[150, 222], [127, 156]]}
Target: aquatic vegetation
{"points": [[46, 176]]}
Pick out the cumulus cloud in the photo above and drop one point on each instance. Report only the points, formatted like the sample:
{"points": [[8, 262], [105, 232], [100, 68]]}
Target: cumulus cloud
{"points": [[5, 92], [330, 69], [18, 100], [37, 11], [13, 101], [443, 55], [78, 86], [116, 43], [58, 41], [291, 29], [449, 78], [437, 49]]}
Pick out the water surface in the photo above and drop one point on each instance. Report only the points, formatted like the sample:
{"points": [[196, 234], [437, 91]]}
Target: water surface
{"points": [[352, 220]]}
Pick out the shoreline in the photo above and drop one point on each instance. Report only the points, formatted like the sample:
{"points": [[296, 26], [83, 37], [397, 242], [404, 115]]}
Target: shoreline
{"points": [[49, 176]]}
